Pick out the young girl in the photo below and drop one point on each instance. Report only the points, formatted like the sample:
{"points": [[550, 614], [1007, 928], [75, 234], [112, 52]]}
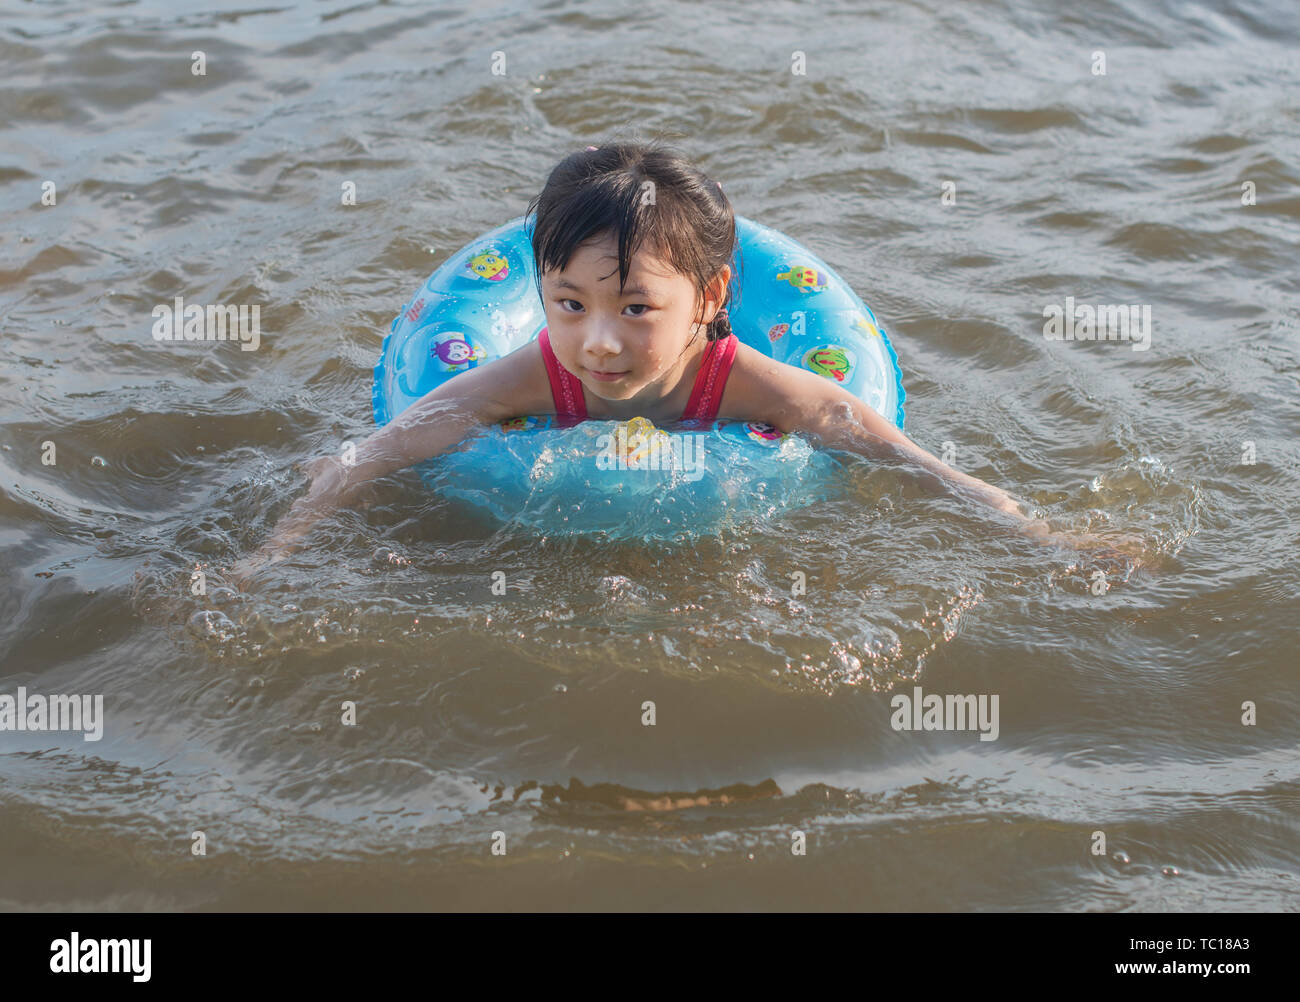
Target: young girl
{"points": [[635, 289]]}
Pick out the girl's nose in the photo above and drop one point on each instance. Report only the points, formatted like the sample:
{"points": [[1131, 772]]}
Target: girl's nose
{"points": [[601, 341]]}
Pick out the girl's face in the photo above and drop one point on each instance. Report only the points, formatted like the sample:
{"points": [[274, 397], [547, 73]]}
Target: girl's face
{"points": [[626, 347]]}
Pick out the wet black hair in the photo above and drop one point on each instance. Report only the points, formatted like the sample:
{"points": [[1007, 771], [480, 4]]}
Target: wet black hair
{"points": [[641, 193]]}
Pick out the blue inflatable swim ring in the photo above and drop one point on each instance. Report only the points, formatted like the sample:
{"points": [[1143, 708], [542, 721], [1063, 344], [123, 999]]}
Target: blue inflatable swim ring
{"points": [[483, 303]]}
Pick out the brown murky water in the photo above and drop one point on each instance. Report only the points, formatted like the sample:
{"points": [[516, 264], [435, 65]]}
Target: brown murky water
{"points": [[1119, 712]]}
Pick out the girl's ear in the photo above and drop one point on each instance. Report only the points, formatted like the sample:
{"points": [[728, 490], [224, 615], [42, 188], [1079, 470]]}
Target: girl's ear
{"points": [[716, 293]]}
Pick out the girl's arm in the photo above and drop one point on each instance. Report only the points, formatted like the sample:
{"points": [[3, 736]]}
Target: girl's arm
{"points": [[842, 421], [796, 400], [434, 424]]}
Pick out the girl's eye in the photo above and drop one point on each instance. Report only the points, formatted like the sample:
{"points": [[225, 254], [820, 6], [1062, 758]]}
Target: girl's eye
{"points": [[573, 306]]}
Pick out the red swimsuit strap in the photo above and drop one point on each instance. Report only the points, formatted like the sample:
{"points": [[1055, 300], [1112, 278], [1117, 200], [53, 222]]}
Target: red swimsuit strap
{"points": [[710, 381], [566, 388], [706, 394]]}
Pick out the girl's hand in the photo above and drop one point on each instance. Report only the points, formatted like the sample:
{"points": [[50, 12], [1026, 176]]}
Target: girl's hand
{"points": [[1118, 548], [242, 572], [326, 475], [275, 549]]}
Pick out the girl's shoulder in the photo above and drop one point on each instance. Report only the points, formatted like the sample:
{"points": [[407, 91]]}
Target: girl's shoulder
{"points": [[523, 381], [760, 388]]}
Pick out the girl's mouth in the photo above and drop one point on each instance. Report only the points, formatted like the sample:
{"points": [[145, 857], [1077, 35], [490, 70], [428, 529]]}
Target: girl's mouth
{"points": [[608, 377]]}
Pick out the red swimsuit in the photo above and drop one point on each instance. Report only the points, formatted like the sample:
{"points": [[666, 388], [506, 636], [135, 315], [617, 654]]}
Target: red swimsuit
{"points": [[706, 395]]}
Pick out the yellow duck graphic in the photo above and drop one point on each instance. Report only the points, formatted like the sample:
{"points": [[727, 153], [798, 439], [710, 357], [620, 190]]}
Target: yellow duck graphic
{"points": [[640, 436]]}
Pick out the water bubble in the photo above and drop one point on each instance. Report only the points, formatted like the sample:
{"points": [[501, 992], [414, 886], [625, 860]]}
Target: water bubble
{"points": [[561, 687], [99, 461], [1171, 871], [211, 623]]}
